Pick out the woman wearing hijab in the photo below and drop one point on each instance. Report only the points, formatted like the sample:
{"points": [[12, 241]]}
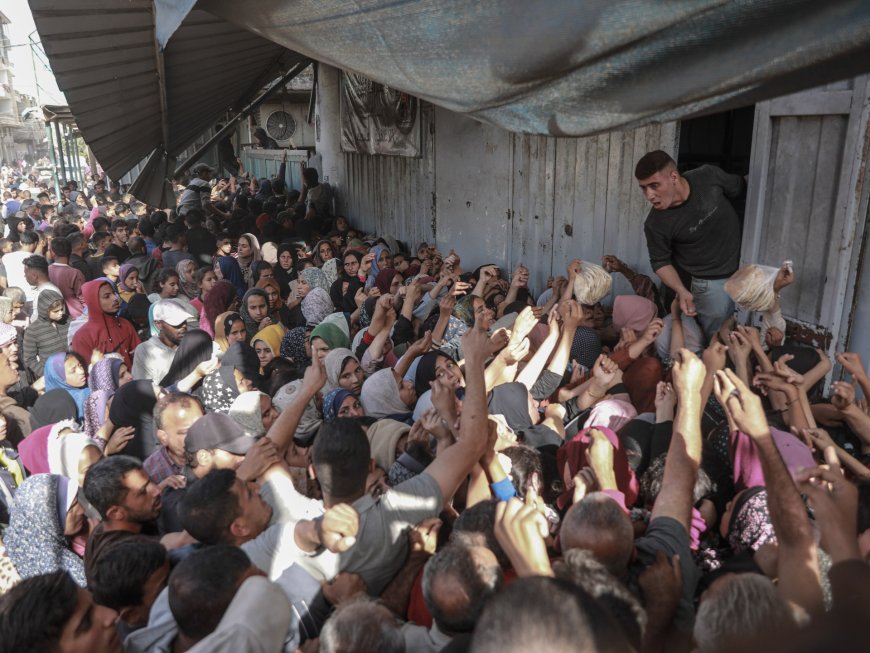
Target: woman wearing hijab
{"points": [[342, 403], [186, 270], [389, 281], [47, 334], [296, 347], [285, 270], [252, 324], [640, 374], [52, 407], [109, 374], [67, 372], [248, 253], [71, 453], [128, 282], [343, 370], [267, 344], [227, 268], [133, 406], [325, 337], [239, 372], [254, 412], [45, 517], [311, 278], [381, 261], [316, 305], [310, 421], [386, 394], [278, 310], [104, 330], [219, 299], [229, 329], [105, 378]]}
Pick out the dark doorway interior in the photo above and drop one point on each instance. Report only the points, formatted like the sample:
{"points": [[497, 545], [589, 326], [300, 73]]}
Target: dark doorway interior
{"points": [[720, 139]]}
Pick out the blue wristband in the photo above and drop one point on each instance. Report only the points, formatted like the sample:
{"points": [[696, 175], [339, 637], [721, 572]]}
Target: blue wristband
{"points": [[504, 489]]}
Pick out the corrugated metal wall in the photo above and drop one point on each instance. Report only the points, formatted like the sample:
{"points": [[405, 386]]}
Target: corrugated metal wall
{"points": [[393, 194], [511, 198]]}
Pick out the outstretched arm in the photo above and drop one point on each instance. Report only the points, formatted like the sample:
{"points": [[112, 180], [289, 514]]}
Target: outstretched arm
{"points": [[797, 564], [684, 453]]}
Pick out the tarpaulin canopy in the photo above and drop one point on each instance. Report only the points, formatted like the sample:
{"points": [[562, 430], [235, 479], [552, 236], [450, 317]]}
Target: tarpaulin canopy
{"points": [[572, 67], [131, 98], [147, 77]]}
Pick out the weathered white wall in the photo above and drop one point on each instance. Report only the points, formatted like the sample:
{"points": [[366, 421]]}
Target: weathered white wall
{"points": [[504, 198]]}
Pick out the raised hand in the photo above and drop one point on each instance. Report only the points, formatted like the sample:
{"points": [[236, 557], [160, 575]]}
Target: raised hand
{"points": [[785, 277], [444, 401], [688, 375], [475, 341], [605, 371], [259, 458], [835, 504], [665, 401], [571, 312], [785, 372], [207, 367], [843, 395], [653, 330], [420, 347], [742, 405], [520, 529], [816, 439], [852, 363], [739, 348], [516, 351], [341, 588], [611, 263], [423, 537], [584, 483], [118, 440], [315, 376], [520, 277], [499, 340], [447, 304], [714, 356], [574, 268], [338, 527], [752, 336], [627, 337], [523, 325]]}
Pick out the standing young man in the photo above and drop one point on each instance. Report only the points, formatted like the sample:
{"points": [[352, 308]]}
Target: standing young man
{"points": [[692, 234]]}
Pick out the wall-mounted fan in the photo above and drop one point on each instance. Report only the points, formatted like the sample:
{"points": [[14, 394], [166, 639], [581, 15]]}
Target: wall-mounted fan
{"points": [[280, 125]]}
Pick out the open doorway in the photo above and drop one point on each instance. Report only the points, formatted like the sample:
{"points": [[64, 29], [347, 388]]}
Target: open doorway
{"points": [[720, 139]]}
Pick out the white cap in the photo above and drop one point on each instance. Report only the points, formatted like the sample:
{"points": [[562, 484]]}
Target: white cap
{"points": [[171, 312]]}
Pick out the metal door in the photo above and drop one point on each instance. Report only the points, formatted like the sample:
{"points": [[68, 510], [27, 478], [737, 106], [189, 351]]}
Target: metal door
{"points": [[805, 199]]}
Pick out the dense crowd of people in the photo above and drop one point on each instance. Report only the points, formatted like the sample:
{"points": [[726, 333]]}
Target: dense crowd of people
{"points": [[244, 424]]}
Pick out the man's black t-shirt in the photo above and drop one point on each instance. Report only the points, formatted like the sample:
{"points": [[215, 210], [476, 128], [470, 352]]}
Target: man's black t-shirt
{"points": [[702, 235], [668, 535], [121, 251]]}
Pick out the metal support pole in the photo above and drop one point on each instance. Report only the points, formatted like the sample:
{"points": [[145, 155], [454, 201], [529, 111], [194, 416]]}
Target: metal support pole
{"points": [[60, 150], [231, 125], [82, 184], [53, 159]]}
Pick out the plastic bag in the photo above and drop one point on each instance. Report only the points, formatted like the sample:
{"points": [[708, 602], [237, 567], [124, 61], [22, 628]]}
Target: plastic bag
{"points": [[592, 284], [751, 287]]}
